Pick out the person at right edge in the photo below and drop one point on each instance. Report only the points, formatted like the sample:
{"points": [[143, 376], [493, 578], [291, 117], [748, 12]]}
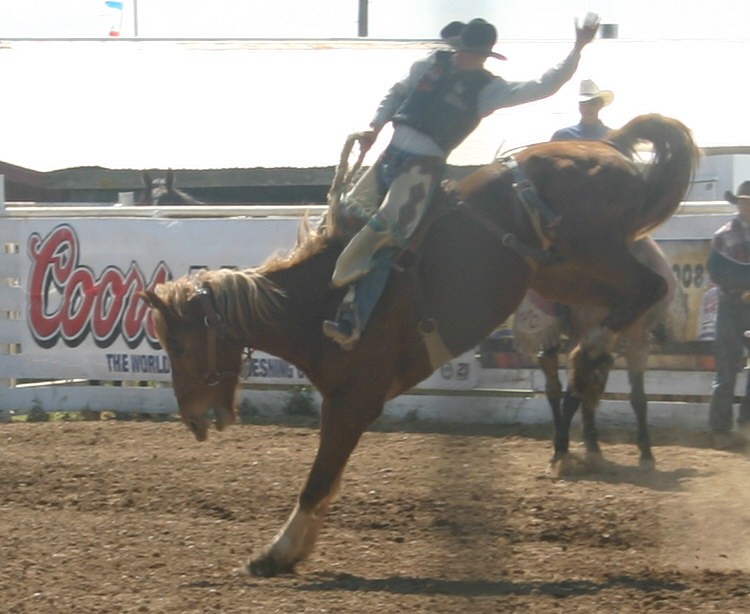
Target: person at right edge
{"points": [[433, 109], [729, 269]]}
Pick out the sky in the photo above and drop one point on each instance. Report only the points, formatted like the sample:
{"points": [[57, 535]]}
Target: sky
{"points": [[411, 19], [145, 103]]}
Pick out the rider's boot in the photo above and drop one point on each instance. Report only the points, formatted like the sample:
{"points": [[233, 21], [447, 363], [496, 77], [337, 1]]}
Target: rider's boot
{"points": [[359, 303], [395, 221], [355, 260], [345, 329]]}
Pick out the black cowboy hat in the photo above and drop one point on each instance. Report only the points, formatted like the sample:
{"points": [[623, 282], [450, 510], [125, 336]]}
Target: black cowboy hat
{"points": [[743, 190], [477, 36]]}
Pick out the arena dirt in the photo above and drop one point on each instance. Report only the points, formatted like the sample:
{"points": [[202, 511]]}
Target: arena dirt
{"points": [[116, 516]]}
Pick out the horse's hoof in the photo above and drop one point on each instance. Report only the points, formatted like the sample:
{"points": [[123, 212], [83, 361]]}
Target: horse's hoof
{"points": [[647, 464], [560, 466], [596, 462], [265, 566]]}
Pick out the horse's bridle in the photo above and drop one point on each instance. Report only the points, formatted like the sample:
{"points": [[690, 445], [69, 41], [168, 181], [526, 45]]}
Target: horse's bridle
{"points": [[215, 328]]}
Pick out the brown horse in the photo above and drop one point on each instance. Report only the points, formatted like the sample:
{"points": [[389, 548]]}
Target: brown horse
{"points": [[540, 334], [470, 273], [162, 191]]}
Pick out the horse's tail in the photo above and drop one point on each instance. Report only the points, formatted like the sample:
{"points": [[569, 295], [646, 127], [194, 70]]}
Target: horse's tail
{"points": [[675, 157]]}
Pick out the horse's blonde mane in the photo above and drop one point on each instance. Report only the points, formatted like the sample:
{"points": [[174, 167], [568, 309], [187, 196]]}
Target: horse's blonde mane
{"points": [[310, 241], [247, 297], [243, 298]]}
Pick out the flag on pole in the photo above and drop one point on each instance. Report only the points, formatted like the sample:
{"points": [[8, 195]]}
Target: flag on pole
{"points": [[115, 7]]}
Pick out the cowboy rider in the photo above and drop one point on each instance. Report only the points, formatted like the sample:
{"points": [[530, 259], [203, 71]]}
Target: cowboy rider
{"points": [[439, 103]]}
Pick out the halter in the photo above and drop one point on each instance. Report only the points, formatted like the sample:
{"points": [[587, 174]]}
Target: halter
{"points": [[215, 327]]}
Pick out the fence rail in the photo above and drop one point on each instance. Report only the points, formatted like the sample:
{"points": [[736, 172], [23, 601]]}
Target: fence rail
{"points": [[62, 347]]}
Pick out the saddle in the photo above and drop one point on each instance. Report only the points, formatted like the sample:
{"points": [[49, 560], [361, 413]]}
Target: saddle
{"points": [[348, 218], [528, 202]]}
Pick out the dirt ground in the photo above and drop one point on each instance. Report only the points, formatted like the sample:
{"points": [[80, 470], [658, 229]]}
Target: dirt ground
{"points": [[116, 516]]}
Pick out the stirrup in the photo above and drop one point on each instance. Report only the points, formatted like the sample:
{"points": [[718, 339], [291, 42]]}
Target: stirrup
{"points": [[333, 331]]}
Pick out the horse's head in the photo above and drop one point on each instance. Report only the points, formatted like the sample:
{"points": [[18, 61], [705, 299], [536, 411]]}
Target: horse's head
{"points": [[154, 190], [205, 357], [161, 191]]}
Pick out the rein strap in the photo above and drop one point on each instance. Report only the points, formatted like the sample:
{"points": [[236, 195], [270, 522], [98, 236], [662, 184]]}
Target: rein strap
{"points": [[528, 195], [215, 327], [507, 238]]}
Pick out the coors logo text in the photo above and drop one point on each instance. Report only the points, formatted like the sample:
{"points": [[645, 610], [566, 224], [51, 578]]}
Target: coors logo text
{"points": [[67, 301]]}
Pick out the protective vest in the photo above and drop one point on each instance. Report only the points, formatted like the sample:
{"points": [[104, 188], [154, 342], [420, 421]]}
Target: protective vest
{"points": [[443, 105]]}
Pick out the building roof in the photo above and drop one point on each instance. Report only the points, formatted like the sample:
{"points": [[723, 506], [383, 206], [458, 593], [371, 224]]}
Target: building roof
{"points": [[208, 104]]}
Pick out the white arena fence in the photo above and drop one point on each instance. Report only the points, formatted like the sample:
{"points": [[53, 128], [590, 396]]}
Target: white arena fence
{"points": [[74, 336]]}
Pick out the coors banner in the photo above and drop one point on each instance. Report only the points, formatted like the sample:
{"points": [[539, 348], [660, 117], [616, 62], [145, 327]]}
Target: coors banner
{"points": [[84, 317]]}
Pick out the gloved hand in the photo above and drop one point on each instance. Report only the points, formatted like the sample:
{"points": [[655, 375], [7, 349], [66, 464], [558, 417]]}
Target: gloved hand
{"points": [[585, 34], [366, 139]]}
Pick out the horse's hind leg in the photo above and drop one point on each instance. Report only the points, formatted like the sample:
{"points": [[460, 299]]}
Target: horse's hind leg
{"points": [[640, 290], [629, 289], [590, 372], [342, 424]]}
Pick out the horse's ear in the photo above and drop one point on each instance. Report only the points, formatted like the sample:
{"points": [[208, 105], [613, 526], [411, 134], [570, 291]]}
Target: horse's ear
{"points": [[170, 179], [154, 301]]}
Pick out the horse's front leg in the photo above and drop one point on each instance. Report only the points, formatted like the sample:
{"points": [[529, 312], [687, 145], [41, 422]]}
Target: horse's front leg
{"points": [[339, 435]]}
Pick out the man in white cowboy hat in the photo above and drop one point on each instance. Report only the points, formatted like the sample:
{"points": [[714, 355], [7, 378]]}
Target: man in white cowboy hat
{"points": [[729, 269], [433, 109], [538, 322], [591, 100]]}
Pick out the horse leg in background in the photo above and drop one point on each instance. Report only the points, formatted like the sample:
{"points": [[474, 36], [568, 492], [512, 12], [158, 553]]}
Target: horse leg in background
{"points": [[594, 456], [549, 364], [563, 409], [340, 431], [636, 359]]}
